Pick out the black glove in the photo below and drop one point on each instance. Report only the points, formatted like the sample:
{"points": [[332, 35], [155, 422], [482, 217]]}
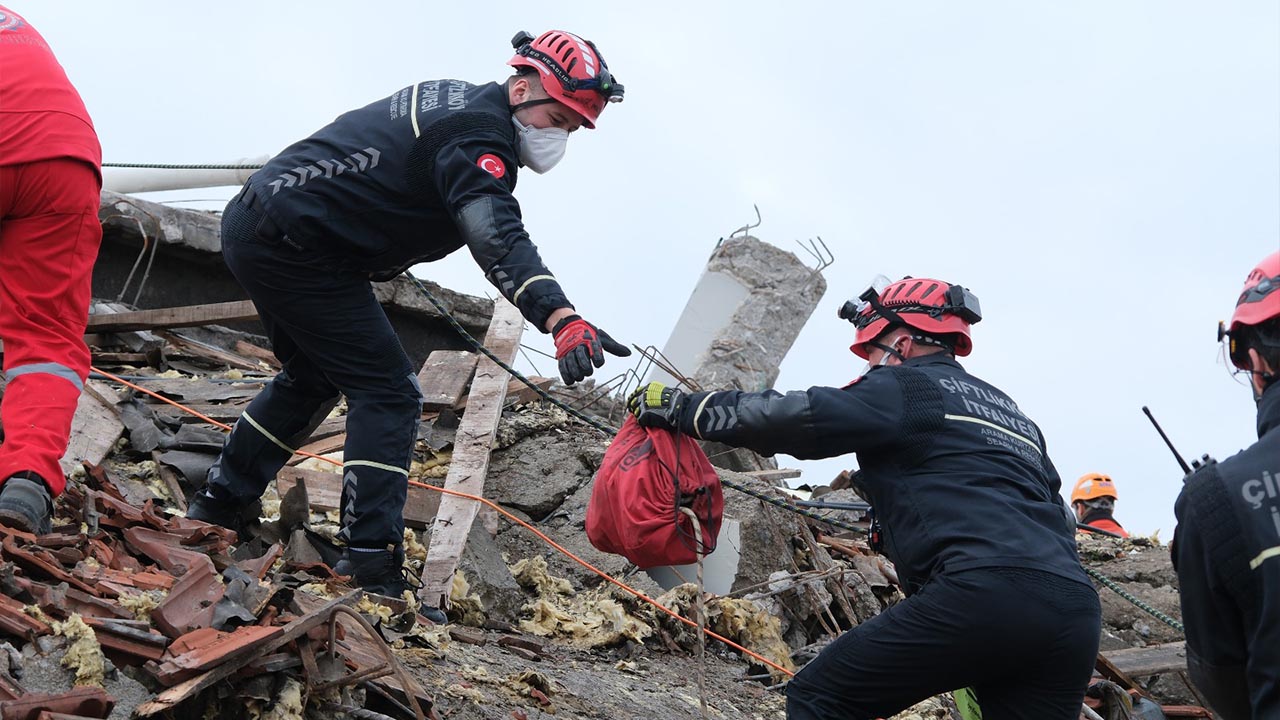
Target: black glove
{"points": [[578, 347], [656, 406]]}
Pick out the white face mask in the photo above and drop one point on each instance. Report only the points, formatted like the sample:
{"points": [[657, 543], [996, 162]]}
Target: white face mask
{"points": [[884, 360], [871, 366], [541, 148]]}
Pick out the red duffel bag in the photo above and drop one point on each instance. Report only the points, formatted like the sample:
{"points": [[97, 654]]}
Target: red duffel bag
{"points": [[647, 474]]}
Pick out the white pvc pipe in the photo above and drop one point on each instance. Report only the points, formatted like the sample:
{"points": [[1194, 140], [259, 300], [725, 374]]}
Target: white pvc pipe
{"points": [[137, 180]]}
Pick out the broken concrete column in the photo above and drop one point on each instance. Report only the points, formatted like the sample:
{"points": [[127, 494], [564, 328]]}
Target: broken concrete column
{"points": [[741, 320]]}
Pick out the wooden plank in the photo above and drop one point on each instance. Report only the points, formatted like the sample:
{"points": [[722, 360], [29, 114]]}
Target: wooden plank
{"points": [[324, 446], [222, 412], [209, 352], [250, 350], [119, 358], [470, 462], [200, 390], [517, 392], [324, 490], [140, 341], [95, 428], [170, 480], [174, 317], [444, 377], [1152, 660]]}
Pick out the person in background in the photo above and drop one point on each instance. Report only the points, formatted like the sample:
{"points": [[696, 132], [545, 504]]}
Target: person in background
{"points": [[1094, 501]]}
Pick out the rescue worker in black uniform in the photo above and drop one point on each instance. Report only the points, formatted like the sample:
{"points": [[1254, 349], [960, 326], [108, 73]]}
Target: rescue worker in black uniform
{"points": [[1001, 607], [1226, 548], [407, 179]]}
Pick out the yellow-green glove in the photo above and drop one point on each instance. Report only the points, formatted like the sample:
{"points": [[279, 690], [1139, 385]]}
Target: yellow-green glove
{"points": [[656, 406]]}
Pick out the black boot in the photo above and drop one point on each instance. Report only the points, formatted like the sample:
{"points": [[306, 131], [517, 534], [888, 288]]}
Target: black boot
{"points": [[26, 503], [206, 508], [376, 571]]}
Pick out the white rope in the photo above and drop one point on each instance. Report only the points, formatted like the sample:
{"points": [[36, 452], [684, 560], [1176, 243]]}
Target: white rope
{"points": [[701, 614]]}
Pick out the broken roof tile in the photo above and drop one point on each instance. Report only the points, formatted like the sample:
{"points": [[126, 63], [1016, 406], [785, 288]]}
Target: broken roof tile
{"points": [[190, 603]]}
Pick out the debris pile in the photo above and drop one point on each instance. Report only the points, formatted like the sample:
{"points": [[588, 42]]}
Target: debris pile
{"points": [[158, 611], [129, 608]]}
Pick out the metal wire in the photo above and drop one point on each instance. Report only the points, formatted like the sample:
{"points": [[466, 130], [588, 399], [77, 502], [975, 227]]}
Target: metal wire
{"points": [[171, 166], [749, 226]]}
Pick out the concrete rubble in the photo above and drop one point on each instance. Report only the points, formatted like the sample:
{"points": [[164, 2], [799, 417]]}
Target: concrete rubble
{"points": [[129, 609]]}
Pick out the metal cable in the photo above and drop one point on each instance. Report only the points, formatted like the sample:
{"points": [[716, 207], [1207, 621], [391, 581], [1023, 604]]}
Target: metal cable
{"points": [[167, 166], [606, 429], [1111, 584]]}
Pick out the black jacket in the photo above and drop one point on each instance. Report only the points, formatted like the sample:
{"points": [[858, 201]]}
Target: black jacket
{"points": [[1227, 554], [410, 179], [958, 475]]}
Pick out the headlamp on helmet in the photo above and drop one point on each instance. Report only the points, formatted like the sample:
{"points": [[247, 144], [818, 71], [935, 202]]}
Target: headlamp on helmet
{"points": [[602, 82], [959, 301], [935, 308]]}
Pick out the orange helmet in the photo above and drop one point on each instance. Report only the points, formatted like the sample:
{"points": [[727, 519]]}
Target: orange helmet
{"points": [[1092, 486], [573, 71], [930, 306], [1259, 302]]}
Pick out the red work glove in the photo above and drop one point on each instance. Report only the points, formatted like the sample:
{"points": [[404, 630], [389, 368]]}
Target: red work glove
{"points": [[579, 346]]}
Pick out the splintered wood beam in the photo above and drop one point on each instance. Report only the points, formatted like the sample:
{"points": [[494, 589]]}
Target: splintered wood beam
{"points": [[470, 462], [444, 377], [208, 352], [174, 317]]}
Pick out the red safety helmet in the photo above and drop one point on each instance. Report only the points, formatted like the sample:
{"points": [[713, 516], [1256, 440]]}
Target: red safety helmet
{"points": [[572, 70], [930, 306], [1259, 302]]}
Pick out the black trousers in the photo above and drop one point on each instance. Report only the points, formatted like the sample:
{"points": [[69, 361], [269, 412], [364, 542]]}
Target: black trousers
{"points": [[1025, 641], [331, 337]]}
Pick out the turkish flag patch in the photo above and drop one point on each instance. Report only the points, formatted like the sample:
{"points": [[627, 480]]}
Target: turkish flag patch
{"points": [[492, 164]]}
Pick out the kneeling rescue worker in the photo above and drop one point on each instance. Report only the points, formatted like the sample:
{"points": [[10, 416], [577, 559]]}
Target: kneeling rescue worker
{"points": [[1094, 501], [1002, 607], [407, 179], [1226, 549]]}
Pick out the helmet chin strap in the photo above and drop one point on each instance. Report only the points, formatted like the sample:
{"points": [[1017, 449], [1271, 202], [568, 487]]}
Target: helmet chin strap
{"points": [[889, 350], [531, 103]]}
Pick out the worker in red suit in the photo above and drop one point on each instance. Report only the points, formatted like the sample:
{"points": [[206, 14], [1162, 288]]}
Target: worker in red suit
{"points": [[1094, 501], [50, 178]]}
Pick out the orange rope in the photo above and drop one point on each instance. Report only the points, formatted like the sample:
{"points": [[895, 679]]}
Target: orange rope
{"points": [[495, 507]]}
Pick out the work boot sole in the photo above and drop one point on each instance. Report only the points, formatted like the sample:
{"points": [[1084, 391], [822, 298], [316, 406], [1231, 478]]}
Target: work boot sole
{"points": [[19, 520], [25, 505]]}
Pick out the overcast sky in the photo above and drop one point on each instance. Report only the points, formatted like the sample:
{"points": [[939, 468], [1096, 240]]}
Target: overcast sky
{"points": [[1103, 175]]}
